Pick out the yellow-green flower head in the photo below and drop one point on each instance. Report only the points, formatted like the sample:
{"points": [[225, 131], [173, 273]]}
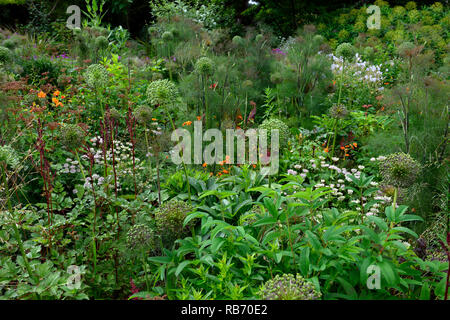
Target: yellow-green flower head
{"points": [[101, 43], [346, 50], [205, 66], [140, 237], [399, 169], [162, 92], [71, 136], [9, 157], [238, 41], [169, 218], [276, 124], [96, 76], [167, 36], [289, 287], [5, 54]]}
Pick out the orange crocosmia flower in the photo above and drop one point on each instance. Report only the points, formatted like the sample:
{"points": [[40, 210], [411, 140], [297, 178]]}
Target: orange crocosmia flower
{"points": [[187, 123], [63, 97], [355, 144], [153, 119], [342, 148], [254, 166], [204, 165], [42, 94], [225, 171], [326, 150], [56, 93], [199, 118], [239, 117], [347, 155]]}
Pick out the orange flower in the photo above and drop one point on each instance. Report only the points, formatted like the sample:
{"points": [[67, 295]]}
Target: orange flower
{"points": [[239, 117], [254, 166], [204, 165], [347, 155], [227, 159], [326, 150], [225, 171], [199, 118], [355, 144], [56, 93], [153, 119], [187, 123], [42, 94], [342, 148]]}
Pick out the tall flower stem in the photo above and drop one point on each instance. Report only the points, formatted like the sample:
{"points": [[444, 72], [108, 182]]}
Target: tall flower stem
{"points": [[184, 165], [16, 230], [94, 246]]}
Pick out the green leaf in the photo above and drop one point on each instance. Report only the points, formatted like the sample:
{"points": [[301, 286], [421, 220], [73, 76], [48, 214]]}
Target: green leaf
{"points": [[304, 261], [425, 292], [181, 266]]}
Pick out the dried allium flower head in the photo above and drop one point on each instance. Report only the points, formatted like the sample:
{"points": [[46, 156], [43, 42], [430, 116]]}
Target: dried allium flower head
{"points": [[205, 66], [399, 169], [162, 92], [169, 218], [140, 237], [72, 136], [5, 54], [143, 114], [288, 287], [96, 76], [276, 124], [346, 50], [167, 36], [338, 111], [9, 157], [101, 43]]}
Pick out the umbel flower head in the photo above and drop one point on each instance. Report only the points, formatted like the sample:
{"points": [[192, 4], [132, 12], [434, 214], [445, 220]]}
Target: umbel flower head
{"points": [[5, 54], [9, 157], [276, 124], [143, 114], [161, 92], [205, 66], [96, 76], [71, 136], [338, 111], [288, 287], [399, 169], [346, 50], [169, 218], [140, 237]]}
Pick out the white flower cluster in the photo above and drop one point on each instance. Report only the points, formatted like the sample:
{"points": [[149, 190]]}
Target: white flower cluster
{"points": [[70, 166], [337, 183], [361, 71]]}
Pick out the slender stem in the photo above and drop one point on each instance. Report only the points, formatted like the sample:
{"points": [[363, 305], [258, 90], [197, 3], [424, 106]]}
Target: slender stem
{"points": [[184, 165]]}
